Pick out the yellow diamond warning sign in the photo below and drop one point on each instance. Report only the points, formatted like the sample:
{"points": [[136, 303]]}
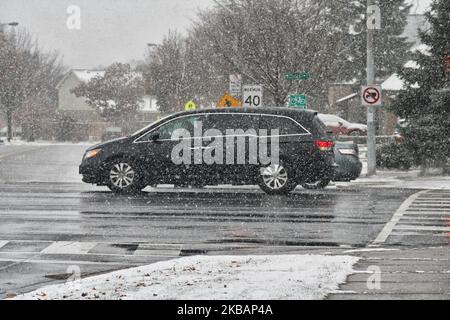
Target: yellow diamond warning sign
{"points": [[228, 101]]}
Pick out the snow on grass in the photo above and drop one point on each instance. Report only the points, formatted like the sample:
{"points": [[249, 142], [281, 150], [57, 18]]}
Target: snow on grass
{"points": [[45, 143], [297, 277]]}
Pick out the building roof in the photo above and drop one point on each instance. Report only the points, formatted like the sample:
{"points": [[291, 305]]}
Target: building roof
{"points": [[87, 75], [416, 21], [393, 83], [419, 6], [83, 75]]}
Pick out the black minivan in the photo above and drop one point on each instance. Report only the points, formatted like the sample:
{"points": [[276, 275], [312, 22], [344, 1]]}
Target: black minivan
{"points": [[275, 148]]}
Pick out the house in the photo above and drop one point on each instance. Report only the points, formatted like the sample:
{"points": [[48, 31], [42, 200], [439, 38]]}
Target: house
{"points": [[344, 98], [87, 122]]}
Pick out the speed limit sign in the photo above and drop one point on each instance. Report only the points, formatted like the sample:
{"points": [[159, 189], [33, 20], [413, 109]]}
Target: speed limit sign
{"points": [[252, 96]]}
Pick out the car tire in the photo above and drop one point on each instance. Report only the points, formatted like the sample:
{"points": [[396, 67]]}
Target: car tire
{"points": [[123, 177], [276, 179], [320, 184]]}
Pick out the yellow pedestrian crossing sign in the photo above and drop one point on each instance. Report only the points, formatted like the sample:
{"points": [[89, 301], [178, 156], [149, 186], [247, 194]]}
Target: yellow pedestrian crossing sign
{"points": [[190, 106]]}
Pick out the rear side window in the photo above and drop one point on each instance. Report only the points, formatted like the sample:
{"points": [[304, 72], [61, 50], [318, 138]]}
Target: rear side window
{"points": [[284, 125], [320, 129], [224, 122]]}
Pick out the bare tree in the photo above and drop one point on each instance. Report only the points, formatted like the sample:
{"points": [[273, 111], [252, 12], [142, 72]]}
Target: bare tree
{"points": [[116, 95], [265, 40], [28, 76]]}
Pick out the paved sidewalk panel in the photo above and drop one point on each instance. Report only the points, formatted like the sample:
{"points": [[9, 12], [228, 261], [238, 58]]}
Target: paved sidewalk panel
{"points": [[404, 274]]}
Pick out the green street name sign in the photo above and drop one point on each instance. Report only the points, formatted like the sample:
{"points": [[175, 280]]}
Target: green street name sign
{"points": [[298, 76], [298, 101]]}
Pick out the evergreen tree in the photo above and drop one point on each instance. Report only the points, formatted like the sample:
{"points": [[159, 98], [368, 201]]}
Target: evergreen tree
{"points": [[424, 102], [390, 47]]}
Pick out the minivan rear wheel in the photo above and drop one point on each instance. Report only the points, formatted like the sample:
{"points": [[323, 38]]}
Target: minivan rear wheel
{"points": [[124, 177], [276, 179]]}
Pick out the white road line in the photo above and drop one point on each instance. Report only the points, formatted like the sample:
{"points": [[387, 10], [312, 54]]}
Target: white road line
{"points": [[389, 227], [151, 253], [148, 249], [3, 243], [67, 247], [68, 262]]}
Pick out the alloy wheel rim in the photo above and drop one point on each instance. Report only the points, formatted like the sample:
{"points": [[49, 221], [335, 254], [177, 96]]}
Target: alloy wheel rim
{"points": [[122, 175], [274, 176]]}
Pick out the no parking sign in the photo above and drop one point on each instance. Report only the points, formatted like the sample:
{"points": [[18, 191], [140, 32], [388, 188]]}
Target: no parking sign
{"points": [[371, 96]]}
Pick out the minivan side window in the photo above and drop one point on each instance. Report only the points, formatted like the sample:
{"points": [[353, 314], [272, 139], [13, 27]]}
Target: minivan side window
{"points": [[166, 130], [235, 122], [285, 125]]}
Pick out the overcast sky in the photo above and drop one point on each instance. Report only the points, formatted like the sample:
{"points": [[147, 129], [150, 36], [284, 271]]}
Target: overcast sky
{"points": [[111, 30]]}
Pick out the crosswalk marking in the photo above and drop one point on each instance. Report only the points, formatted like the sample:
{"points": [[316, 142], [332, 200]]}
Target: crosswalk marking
{"points": [[419, 215], [67, 247], [423, 228], [424, 213], [389, 227], [3, 243]]}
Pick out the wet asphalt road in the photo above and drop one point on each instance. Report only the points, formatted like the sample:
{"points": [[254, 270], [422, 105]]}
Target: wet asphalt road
{"points": [[50, 222]]}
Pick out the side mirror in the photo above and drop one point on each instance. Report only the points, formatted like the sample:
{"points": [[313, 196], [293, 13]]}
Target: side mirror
{"points": [[340, 124]]}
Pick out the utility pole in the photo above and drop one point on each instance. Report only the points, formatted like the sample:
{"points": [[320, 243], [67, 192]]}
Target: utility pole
{"points": [[371, 139]]}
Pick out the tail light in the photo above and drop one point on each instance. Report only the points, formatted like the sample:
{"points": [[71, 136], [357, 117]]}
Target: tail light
{"points": [[323, 145]]}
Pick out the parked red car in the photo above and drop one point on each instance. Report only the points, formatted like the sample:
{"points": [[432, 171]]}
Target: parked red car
{"points": [[340, 126]]}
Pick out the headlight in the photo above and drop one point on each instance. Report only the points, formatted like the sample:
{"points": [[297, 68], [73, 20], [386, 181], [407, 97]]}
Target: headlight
{"points": [[92, 153]]}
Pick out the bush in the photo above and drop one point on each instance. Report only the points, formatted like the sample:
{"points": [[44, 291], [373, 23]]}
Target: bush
{"points": [[394, 156]]}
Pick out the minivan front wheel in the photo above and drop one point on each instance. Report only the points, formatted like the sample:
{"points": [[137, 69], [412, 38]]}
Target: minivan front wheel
{"points": [[276, 179], [124, 177]]}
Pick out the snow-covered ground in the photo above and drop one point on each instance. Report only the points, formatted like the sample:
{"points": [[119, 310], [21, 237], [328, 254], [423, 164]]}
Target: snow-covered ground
{"points": [[18, 142], [400, 179], [213, 277]]}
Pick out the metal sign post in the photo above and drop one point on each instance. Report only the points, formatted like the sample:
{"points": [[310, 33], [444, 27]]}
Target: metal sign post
{"points": [[373, 23]]}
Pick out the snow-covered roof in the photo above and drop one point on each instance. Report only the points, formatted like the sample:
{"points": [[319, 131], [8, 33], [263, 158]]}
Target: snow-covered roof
{"points": [[412, 65], [422, 48], [83, 75], [393, 83], [414, 23], [419, 6], [87, 75]]}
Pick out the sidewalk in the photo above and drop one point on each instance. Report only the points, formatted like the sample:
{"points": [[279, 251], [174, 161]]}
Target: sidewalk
{"points": [[409, 274], [400, 179]]}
